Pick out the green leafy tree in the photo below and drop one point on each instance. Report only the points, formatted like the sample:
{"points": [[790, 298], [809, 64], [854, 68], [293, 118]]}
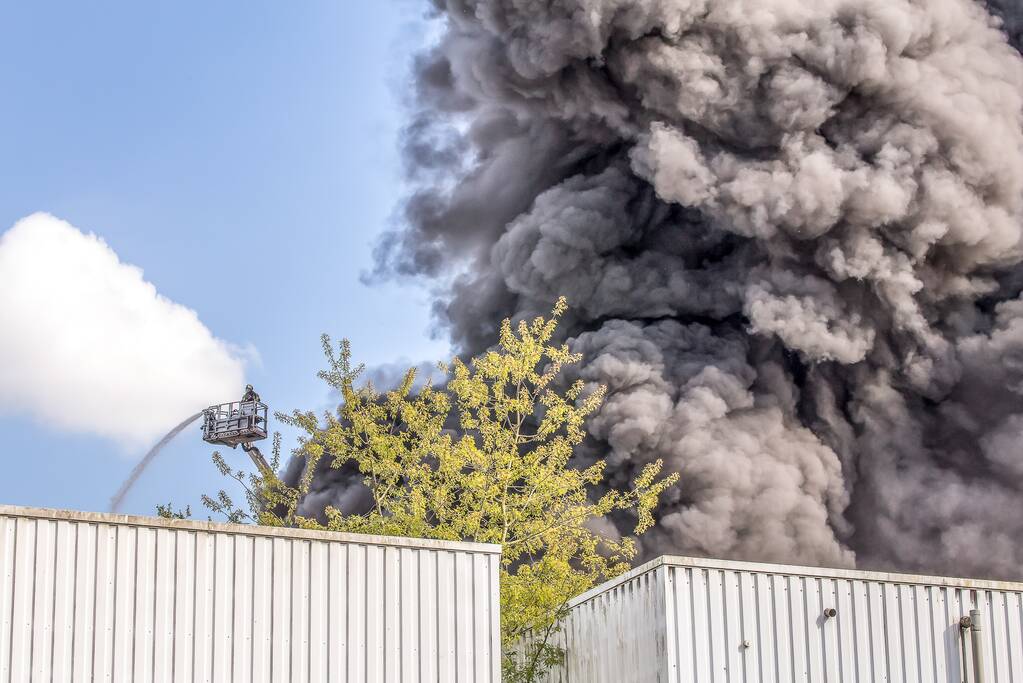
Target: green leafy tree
{"points": [[268, 501], [504, 476], [168, 512]]}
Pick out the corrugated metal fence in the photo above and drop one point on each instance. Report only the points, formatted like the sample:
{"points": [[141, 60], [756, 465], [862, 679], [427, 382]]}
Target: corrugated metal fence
{"points": [[89, 597], [705, 621]]}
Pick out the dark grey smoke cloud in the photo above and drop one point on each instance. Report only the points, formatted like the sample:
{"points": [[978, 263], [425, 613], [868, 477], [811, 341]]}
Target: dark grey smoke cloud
{"points": [[1011, 14], [790, 233]]}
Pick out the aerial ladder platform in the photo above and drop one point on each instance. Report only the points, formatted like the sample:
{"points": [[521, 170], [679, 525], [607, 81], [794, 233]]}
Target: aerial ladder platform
{"points": [[239, 423]]}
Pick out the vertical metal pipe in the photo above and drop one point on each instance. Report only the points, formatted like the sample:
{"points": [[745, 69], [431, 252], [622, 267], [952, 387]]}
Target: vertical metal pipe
{"points": [[978, 646], [964, 627]]}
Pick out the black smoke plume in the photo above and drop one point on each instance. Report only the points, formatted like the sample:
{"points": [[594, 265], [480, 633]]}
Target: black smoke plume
{"points": [[790, 234]]}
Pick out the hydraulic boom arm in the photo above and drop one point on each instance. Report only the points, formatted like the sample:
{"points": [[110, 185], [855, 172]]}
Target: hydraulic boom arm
{"points": [[257, 458]]}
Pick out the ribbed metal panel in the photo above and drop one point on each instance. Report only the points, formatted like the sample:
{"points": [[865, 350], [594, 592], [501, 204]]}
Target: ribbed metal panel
{"points": [[87, 597], [627, 623], [686, 620]]}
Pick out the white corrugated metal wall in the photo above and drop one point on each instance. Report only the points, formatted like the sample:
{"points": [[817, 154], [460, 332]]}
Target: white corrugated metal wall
{"points": [[744, 622], [636, 651], [87, 597]]}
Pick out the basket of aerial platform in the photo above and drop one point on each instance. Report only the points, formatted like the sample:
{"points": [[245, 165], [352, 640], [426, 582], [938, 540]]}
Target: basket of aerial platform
{"points": [[238, 423]]}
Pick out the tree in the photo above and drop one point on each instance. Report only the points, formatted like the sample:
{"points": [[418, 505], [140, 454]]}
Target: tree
{"points": [[504, 475], [168, 512]]}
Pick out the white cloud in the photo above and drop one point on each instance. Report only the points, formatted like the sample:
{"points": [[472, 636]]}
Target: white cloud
{"points": [[88, 345]]}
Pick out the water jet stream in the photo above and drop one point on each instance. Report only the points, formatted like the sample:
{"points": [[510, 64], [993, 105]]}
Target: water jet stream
{"points": [[118, 498]]}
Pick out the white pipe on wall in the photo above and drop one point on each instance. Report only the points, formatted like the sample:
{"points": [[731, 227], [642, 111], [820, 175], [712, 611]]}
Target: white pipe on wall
{"points": [[978, 646]]}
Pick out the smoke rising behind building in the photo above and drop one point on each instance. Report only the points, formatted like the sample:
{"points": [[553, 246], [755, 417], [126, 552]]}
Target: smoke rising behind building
{"points": [[790, 234]]}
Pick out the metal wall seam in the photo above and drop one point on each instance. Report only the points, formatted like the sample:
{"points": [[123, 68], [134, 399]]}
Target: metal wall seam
{"points": [[83, 599]]}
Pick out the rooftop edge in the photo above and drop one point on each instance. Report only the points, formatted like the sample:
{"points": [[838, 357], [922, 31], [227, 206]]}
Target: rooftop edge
{"points": [[58, 515], [797, 570]]}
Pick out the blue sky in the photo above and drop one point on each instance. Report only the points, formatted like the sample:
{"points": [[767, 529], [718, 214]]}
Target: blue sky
{"points": [[248, 147]]}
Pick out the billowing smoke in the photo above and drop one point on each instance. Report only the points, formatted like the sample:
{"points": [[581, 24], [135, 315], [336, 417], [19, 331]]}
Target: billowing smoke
{"points": [[790, 234], [1011, 14]]}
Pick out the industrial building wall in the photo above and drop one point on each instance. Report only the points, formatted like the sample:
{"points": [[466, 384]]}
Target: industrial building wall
{"points": [[616, 636], [744, 622], [87, 597]]}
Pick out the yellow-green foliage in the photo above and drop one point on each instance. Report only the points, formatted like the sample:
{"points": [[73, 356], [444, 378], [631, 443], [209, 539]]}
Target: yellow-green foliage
{"points": [[504, 476]]}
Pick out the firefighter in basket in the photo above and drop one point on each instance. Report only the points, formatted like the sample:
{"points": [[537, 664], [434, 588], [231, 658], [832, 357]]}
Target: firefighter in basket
{"points": [[250, 395]]}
